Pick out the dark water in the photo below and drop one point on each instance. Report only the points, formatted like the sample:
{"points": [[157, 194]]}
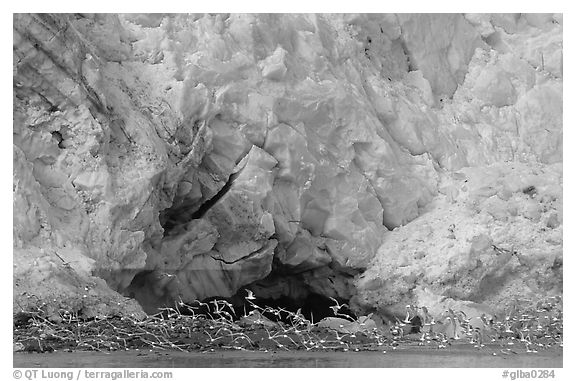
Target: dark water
{"points": [[463, 357]]}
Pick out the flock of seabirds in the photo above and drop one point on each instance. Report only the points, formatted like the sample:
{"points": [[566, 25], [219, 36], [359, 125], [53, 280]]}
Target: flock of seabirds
{"points": [[254, 326], [538, 327]]}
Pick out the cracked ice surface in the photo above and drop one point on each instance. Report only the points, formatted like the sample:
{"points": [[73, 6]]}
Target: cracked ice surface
{"points": [[201, 148]]}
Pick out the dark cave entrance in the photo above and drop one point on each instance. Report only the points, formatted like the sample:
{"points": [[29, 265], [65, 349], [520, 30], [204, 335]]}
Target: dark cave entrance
{"points": [[314, 307]]}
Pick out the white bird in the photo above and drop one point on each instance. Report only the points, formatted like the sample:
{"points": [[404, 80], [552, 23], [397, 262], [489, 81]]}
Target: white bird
{"points": [[462, 317], [211, 338], [427, 322], [216, 305], [408, 318], [250, 295], [338, 337], [398, 328], [338, 306], [452, 319]]}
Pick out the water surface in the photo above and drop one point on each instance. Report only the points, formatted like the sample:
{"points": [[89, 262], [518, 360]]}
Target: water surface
{"points": [[454, 357]]}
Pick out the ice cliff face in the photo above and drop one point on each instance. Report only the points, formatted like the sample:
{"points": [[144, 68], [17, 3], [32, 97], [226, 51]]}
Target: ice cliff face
{"points": [[186, 156]]}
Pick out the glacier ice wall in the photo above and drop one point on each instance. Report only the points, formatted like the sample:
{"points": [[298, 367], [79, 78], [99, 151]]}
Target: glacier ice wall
{"points": [[187, 156]]}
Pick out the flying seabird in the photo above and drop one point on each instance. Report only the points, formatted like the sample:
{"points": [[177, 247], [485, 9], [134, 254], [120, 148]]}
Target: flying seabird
{"points": [[250, 295]]}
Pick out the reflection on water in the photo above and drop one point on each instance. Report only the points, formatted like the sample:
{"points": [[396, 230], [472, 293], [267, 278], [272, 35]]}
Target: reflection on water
{"points": [[408, 358]]}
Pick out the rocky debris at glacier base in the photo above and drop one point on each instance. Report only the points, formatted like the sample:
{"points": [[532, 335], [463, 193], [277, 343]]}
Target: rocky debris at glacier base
{"points": [[187, 156]]}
